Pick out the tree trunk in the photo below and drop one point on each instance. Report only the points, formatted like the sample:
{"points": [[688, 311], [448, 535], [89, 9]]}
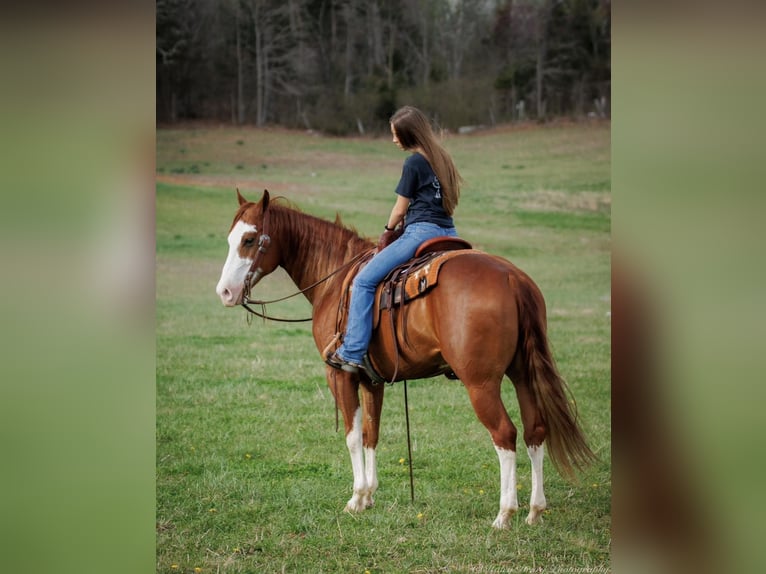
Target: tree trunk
{"points": [[375, 57], [542, 48], [240, 79], [391, 45], [425, 49], [260, 65], [539, 79], [348, 16]]}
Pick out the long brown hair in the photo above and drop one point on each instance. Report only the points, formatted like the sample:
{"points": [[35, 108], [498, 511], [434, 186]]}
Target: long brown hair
{"points": [[413, 130]]}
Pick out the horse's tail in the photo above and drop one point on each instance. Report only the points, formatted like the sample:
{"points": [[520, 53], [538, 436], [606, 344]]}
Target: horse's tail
{"points": [[565, 440]]}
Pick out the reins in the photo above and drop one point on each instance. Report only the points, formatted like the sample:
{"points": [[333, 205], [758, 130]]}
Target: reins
{"points": [[256, 272], [246, 301]]}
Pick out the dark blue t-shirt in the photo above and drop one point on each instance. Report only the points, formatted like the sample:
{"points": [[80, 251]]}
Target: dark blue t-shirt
{"points": [[420, 185]]}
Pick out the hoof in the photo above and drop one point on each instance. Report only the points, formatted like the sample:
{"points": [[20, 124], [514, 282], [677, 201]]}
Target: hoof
{"points": [[354, 508], [535, 515], [503, 518], [356, 504]]}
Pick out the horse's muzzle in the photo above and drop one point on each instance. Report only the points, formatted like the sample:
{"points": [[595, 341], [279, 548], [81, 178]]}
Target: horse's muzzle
{"points": [[228, 297]]}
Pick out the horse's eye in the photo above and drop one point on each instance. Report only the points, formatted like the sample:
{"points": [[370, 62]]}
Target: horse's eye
{"points": [[249, 241]]}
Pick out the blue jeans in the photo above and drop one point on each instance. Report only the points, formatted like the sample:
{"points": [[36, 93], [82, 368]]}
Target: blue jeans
{"points": [[359, 327]]}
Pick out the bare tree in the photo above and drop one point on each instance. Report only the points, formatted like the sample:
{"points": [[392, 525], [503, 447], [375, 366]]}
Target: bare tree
{"points": [[459, 33], [179, 31], [240, 66], [338, 64], [392, 34], [374, 27], [418, 17], [279, 52], [349, 18], [543, 16]]}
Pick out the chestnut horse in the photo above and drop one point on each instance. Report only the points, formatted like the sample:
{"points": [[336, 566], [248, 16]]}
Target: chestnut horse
{"points": [[485, 319]]}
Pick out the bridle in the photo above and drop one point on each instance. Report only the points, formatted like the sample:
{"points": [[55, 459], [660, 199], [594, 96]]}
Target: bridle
{"points": [[255, 273]]}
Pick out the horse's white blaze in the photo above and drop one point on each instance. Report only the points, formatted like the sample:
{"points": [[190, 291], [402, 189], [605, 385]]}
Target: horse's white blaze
{"points": [[537, 501], [361, 494], [231, 283], [508, 499]]}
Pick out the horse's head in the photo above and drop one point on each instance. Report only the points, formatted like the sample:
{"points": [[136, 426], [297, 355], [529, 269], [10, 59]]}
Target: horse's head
{"points": [[251, 255]]}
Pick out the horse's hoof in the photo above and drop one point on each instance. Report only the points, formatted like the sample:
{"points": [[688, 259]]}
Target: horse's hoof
{"points": [[503, 519], [500, 523], [354, 506], [535, 515]]}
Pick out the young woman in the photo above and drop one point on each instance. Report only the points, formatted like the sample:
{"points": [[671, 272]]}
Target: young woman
{"points": [[427, 195]]}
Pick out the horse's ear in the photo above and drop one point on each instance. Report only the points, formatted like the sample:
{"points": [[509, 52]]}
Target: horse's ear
{"points": [[265, 199], [241, 199]]}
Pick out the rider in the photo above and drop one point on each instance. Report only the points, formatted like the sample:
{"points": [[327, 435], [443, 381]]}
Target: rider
{"points": [[427, 195]]}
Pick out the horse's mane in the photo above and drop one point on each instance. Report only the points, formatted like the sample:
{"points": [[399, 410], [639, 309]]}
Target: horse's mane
{"points": [[339, 242], [282, 201], [289, 206]]}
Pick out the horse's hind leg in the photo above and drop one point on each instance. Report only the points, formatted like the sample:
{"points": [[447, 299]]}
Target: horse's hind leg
{"points": [[534, 435], [372, 399], [488, 404]]}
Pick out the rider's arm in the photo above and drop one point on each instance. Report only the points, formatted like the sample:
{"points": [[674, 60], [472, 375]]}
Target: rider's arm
{"points": [[398, 212]]}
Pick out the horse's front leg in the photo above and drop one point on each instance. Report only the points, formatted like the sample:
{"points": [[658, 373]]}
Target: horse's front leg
{"points": [[345, 387], [361, 496], [372, 399]]}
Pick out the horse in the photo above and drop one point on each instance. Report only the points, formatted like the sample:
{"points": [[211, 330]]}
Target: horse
{"points": [[475, 335]]}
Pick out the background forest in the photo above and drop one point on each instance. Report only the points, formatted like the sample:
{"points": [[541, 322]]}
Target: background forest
{"points": [[343, 66]]}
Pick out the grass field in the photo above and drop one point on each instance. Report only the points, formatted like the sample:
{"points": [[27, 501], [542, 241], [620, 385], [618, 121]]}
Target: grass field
{"points": [[251, 475]]}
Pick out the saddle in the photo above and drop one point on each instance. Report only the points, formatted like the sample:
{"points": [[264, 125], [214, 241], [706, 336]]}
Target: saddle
{"points": [[418, 275], [404, 283]]}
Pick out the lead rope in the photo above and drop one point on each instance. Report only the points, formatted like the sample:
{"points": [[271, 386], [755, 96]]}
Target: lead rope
{"points": [[409, 443]]}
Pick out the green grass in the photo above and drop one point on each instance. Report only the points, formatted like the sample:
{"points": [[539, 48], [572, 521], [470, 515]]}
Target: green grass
{"points": [[251, 475]]}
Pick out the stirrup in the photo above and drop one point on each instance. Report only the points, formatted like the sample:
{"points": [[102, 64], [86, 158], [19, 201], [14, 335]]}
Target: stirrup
{"points": [[375, 378]]}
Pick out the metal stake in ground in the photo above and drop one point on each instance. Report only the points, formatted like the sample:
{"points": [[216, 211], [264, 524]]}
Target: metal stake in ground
{"points": [[409, 443]]}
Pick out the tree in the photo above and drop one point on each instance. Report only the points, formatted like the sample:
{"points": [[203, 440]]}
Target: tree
{"points": [[460, 33], [335, 65]]}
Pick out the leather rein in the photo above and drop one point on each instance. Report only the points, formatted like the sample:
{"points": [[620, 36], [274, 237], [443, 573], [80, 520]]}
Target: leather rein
{"points": [[255, 274]]}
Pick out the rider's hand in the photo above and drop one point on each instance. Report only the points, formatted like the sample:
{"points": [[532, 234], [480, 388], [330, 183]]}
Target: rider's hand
{"points": [[388, 237]]}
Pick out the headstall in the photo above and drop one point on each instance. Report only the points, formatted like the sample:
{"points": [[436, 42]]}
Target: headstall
{"points": [[256, 273]]}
